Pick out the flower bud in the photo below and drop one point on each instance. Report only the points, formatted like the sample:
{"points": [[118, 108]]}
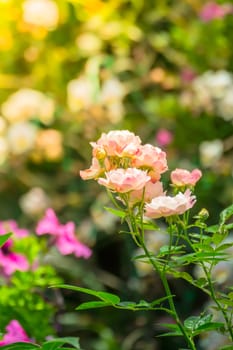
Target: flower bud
{"points": [[203, 214]]}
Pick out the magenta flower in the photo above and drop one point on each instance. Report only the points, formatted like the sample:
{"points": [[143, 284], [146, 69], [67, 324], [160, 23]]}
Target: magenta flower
{"points": [[12, 226], [11, 261], [64, 235], [212, 10], [15, 333], [163, 137], [49, 224]]}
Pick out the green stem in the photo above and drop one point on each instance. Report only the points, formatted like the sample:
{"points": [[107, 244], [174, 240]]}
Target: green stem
{"points": [[162, 274], [166, 286], [215, 299]]}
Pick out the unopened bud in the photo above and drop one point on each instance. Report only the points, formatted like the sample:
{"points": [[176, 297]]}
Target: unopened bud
{"points": [[203, 214], [99, 153]]}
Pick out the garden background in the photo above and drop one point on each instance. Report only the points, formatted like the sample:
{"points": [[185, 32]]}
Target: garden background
{"points": [[69, 71]]}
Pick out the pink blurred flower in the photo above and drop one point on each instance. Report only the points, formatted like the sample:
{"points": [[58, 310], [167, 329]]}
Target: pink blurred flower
{"points": [[48, 224], [151, 190], [67, 243], [212, 10], [125, 180], [151, 158], [164, 206], [11, 261], [15, 333], [182, 177], [163, 137], [64, 235], [121, 143], [12, 226]]}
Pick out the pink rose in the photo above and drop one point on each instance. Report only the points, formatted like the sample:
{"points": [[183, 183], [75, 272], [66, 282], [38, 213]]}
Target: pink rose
{"points": [[93, 172], [164, 206], [125, 180], [151, 158], [151, 190], [120, 143], [182, 177]]}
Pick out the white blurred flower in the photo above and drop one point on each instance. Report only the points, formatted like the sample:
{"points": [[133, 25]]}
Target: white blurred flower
{"points": [[223, 272], [213, 340], [213, 83], [112, 91], [34, 202], [88, 43], [79, 94], [3, 126], [115, 112], [28, 103], [225, 105], [210, 152], [3, 150], [43, 13], [21, 137]]}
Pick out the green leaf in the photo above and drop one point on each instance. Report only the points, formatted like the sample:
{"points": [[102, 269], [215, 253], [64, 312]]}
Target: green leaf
{"points": [[116, 212], [212, 229], [107, 297], [160, 300], [20, 346], [209, 326], [226, 214], [4, 238], [55, 344], [93, 305]]}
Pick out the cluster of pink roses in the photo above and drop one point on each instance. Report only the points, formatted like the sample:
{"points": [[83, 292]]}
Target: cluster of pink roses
{"points": [[123, 165]]}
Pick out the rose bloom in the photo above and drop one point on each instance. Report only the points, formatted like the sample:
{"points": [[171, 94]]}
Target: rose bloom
{"points": [[93, 172], [125, 180], [182, 177], [164, 206], [43, 13], [150, 191], [152, 158], [120, 143]]}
